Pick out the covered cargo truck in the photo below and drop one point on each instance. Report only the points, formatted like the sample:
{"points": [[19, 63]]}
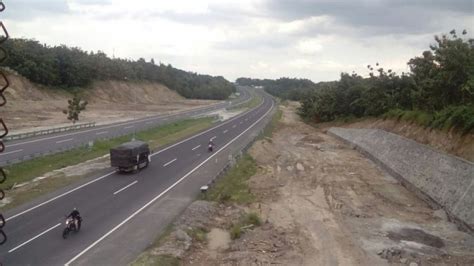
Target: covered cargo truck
{"points": [[130, 156]]}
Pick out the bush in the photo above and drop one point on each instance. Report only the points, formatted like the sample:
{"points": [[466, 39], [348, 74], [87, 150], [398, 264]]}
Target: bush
{"points": [[461, 117], [235, 231], [198, 234], [252, 218]]}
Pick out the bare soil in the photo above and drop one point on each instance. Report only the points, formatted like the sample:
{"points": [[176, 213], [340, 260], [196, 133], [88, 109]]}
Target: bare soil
{"points": [[324, 203], [31, 106]]}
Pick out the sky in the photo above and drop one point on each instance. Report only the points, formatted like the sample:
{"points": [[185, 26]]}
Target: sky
{"points": [[313, 39]]}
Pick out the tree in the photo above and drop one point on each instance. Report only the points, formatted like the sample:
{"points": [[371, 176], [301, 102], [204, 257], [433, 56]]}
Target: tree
{"points": [[75, 106]]}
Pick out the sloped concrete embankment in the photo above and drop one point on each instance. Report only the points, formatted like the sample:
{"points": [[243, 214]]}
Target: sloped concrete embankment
{"points": [[441, 179]]}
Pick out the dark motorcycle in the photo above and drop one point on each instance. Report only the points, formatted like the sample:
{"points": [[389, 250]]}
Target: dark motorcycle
{"points": [[70, 226], [210, 148]]}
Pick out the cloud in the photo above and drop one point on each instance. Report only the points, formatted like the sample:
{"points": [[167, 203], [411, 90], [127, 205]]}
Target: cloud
{"points": [[374, 16], [315, 39], [27, 10]]}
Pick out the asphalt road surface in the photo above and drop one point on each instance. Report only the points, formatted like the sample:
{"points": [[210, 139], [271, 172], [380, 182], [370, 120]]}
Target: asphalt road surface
{"points": [[64, 141], [111, 201]]}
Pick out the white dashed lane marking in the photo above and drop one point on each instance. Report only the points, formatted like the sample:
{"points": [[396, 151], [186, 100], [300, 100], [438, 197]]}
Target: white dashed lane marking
{"points": [[170, 162], [64, 140]]}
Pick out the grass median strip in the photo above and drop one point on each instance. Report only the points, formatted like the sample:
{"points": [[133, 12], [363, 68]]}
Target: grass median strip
{"points": [[29, 170], [256, 100], [233, 186]]}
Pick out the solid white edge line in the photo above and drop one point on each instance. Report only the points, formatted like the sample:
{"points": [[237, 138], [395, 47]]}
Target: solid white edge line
{"points": [[128, 127], [59, 196], [64, 140], [158, 152], [125, 187], [26, 242], [204, 132], [196, 147], [5, 153], [165, 191], [102, 132], [170, 162]]}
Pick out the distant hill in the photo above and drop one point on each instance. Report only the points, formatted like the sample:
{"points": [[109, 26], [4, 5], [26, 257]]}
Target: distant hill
{"points": [[70, 67]]}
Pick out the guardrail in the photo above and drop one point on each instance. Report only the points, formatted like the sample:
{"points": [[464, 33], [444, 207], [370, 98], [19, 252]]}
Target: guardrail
{"points": [[239, 152], [47, 131]]}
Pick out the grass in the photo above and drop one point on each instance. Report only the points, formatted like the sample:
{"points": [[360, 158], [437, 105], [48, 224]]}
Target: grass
{"points": [[248, 219], [197, 234], [28, 170], [256, 100], [158, 260], [233, 187], [459, 117], [148, 258], [268, 130], [235, 231]]}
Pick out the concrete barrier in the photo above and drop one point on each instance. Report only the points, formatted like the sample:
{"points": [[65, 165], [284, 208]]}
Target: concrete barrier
{"points": [[441, 179]]}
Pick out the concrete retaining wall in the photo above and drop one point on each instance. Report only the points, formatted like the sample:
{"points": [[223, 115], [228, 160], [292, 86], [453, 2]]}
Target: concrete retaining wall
{"points": [[444, 180]]}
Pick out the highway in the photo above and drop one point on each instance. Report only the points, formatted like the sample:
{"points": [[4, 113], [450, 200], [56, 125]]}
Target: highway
{"points": [[110, 201], [67, 140]]}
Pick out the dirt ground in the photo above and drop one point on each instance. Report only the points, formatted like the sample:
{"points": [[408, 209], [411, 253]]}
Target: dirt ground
{"points": [[323, 203], [33, 107]]}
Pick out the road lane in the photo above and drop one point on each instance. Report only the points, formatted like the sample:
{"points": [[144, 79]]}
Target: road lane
{"points": [[101, 211], [55, 142]]}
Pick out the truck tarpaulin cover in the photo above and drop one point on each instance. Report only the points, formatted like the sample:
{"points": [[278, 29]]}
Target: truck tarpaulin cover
{"points": [[126, 153]]}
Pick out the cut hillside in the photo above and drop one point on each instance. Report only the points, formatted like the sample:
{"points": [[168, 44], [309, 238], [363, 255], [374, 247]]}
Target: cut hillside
{"points": [[35, 106], [451, 142]]}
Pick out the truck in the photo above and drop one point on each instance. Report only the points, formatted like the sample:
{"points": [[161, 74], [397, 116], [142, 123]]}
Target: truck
{"points": [[130, 156]]}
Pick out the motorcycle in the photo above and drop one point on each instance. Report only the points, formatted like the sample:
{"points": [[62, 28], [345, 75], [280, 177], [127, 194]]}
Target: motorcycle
{"points": [[70, 226], [210, 148]]}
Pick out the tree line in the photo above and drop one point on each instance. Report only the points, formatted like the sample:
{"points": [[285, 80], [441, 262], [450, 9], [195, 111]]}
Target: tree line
{"points": [[438, 91], [70, 67], [286, 88]]}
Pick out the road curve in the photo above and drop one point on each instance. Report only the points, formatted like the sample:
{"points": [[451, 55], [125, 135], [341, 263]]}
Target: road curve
{"points": [[111, 201]]}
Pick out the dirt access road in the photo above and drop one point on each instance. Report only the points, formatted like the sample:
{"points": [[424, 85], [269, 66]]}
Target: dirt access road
{"points": [[324, 203]]}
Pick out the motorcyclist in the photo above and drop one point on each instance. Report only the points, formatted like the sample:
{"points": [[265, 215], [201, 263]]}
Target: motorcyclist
{"points": [[76, 217], [211, 145]]}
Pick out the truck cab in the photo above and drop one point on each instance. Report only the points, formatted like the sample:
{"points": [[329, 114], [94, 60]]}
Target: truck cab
{"points": [[130, 156]]}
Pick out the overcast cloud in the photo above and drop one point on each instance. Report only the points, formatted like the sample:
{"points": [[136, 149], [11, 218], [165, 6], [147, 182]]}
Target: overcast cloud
{"points": [[315, 39]]}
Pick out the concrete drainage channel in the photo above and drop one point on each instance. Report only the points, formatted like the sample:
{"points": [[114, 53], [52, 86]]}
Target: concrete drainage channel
{"points": [[440, 179]]}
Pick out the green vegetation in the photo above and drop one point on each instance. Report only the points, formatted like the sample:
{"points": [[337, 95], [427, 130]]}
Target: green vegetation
{"points": [[438, 92], [255, 101], [246, 221], [268, 130], [233, 187], [28, 170], [75, 106], [235, 231], [252, 218], [284, 88], [460, 117], [198, 234], [68, 68], [148, 258], [158, 260]]}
